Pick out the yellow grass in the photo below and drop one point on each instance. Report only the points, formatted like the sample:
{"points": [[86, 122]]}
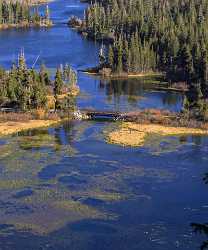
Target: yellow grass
{"points": [[12, 127], [144, 74], [133, 134], [130, 75]]}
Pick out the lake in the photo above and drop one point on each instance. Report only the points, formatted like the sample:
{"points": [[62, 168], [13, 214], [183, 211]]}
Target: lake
{"points": [[66, 188]]}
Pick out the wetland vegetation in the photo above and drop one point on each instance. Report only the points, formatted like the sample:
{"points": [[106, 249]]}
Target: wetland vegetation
{"points": [[63, 186]]}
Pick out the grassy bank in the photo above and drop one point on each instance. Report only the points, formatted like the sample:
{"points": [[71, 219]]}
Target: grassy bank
{"points": [[135, 134], [107, 73], [13, 127], [11, 123]]}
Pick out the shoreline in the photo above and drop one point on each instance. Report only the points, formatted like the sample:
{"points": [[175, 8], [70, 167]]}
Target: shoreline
{"points": [[136, 76], [40, 2], [132, 134], [14, 127], [122, 75], [24, 26]]}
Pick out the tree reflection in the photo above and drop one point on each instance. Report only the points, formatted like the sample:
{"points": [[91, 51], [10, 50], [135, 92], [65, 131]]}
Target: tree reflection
{"points": [[202, 228], [171, 98], [117, 88], [133, 90]]}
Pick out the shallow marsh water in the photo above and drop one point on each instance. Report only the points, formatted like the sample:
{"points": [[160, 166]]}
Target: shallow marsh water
{"points": [[66, 188]]}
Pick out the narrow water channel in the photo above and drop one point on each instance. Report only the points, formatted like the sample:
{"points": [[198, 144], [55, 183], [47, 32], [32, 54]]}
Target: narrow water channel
{"points": [[66, 188]]}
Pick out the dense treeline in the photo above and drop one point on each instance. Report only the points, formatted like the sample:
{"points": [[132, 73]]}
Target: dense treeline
{"points": [[16, 13], [169, 36], [26, 88], [165, 35]]}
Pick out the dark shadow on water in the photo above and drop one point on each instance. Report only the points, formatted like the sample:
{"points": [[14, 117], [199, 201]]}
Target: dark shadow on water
{"points": [[93, 202], [23, 193], [71, 180], [50, 171], [132, 91], [202, 228], [93, 226]]}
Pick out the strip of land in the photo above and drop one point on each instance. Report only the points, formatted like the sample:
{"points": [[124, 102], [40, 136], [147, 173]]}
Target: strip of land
{"points": [[134, 134], [12, 127]]}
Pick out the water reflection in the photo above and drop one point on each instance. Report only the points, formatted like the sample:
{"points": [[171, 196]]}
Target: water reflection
{"points": [[68, 181], [139, 93], [202, 228]]}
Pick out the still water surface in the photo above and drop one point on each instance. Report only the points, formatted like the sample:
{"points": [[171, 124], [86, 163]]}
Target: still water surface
{"points": [[66, 188]]}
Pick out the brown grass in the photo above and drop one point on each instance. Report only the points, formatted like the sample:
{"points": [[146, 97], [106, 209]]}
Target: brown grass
{"points": [[11, 127], [134, 134], [15, 122], [4, 117]]}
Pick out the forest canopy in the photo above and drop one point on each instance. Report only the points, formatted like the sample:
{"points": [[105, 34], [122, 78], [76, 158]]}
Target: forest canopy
{"points": [[19, 13], [24, 88], [144, 36]]}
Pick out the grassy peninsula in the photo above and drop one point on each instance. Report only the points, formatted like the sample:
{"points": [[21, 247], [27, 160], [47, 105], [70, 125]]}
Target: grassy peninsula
{"points": [[135, 134], [139, 126]]}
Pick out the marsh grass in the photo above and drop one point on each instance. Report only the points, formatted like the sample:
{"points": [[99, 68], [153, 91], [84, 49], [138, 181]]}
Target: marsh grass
{"points": [[135, 134]]}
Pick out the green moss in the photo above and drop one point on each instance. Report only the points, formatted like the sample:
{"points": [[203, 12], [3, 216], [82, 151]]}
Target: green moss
{"points": [[159, 145], [37, 141], [15, 184], [77, 207]]}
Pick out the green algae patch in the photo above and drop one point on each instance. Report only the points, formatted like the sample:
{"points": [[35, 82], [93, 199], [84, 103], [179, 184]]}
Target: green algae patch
{"points": [[52, 203], [15, 184], [159, 145], [77, 207], [37, 141]]}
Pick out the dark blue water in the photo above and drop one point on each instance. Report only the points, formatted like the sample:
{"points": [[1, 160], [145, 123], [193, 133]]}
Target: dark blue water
{"points": [[67, 188]]}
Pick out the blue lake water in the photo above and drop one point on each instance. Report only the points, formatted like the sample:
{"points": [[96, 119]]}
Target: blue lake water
{"points": [[66, 188]]}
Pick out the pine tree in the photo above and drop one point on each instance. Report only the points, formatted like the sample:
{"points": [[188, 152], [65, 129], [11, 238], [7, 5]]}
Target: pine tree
{"points": [[44, 75], [111, 57], [58, 84]]}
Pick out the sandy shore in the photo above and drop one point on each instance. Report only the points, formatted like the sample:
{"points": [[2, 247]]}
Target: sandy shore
{"points": [[133, 134], [12, 127]]}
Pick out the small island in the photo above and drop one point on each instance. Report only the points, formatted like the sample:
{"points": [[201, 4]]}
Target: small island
{"points": [[17, 14]]}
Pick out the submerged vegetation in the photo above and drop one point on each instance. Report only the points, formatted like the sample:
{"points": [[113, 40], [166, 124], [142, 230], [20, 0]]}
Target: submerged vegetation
{"points": [[49, 184], [64, 187], [18, 14]]}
